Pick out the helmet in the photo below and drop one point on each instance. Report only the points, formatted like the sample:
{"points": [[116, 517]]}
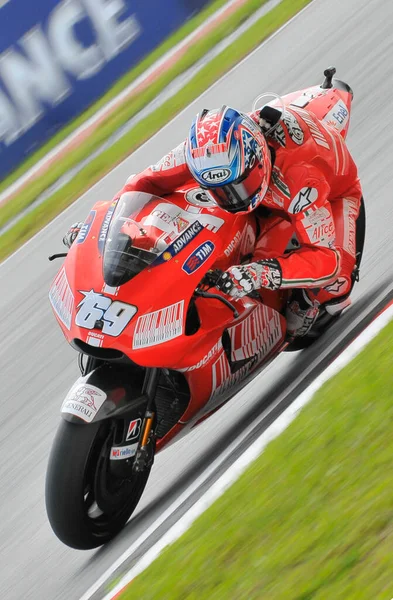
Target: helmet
{"points": [[227, 153]]}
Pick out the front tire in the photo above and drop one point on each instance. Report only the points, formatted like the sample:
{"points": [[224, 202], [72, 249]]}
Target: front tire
{"points": [[86, 503]]}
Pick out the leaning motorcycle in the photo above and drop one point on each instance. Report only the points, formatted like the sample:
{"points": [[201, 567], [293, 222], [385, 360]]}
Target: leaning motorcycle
{"points": [[160, 349]]}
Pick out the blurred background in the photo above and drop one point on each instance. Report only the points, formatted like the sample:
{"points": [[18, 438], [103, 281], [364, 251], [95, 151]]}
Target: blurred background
{"points": [[92, 91]]}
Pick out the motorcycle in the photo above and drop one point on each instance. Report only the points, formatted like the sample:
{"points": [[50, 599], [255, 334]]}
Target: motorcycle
{"points": [[160, 349]]}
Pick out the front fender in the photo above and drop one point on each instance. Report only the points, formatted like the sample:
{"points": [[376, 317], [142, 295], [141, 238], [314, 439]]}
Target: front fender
{"points": [[108, 391]]}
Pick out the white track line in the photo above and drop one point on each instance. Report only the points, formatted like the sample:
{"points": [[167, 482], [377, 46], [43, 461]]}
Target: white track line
{"points": [[169, 124], [240, 465]]}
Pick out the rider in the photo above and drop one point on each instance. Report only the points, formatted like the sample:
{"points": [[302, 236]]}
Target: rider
{"points": [[296, 166]]}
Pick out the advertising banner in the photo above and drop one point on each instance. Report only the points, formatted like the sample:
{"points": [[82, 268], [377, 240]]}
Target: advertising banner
{"points": [[58, 56]]}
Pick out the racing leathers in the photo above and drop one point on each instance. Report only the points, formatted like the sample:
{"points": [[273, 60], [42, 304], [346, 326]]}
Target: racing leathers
{"points": [[315, 186]]}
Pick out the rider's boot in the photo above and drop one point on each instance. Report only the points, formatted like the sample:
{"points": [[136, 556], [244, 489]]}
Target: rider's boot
{"points": [[301, 313]]}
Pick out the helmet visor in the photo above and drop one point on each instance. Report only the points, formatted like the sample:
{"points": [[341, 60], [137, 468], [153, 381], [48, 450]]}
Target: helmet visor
{"points": [[237, 195]]}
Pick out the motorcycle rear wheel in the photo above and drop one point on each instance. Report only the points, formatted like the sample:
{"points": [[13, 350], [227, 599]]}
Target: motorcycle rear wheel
{"points": [[86, 504]]}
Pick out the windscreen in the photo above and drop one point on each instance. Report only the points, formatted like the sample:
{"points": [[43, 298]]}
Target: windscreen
{"points": [[141, 229]]}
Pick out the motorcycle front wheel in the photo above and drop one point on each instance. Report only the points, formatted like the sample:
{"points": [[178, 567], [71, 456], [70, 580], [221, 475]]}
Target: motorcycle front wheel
{"points": [[86, 502]]}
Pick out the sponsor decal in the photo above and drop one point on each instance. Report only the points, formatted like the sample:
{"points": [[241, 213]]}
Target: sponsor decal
{"points": [[232, 245], [105, 226], [273, 199], [123, 452], [170, 237], [253, 339], [211, 222], [218, 175], [84, 401], [316, 133], [278, 181], [198, 257], [95, 339], [113, 316], [84, 231], [159, 326], [350, 208], [337, 287], [199, 197], [203, 362], [108, 289], [165, 163], [295, 132], [338, 116], [302, 200], [181, 224], [319, 226], [181, 242], [277, 200], [257, 334], [171, 216], [134, 429], [186, 237], [161, 214], [62, 298]]}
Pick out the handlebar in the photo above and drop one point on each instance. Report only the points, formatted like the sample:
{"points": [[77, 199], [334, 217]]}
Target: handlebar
{"points": [[210, 280], [60, 255], [212, 277], [220, 298]]}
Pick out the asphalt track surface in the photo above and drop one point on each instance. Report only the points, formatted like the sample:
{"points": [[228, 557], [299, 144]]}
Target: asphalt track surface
{"points": [[37, 366]]}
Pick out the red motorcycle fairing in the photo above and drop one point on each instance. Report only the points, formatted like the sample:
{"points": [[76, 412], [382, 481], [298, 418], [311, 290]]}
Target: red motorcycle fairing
{"points": [[330, 105], [153, 317], [161, 358]]}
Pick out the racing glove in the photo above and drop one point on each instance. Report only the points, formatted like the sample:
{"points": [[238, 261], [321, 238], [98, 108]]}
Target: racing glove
{"points": [[72, 234], [240, 280]]}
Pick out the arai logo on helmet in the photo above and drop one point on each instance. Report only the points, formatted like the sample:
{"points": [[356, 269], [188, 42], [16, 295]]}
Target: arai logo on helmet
{"points": [[216, 175]]}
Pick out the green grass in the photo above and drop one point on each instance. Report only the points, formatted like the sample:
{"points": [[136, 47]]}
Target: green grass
{"points": [[118, 87], [312, 518], [34, 221]]}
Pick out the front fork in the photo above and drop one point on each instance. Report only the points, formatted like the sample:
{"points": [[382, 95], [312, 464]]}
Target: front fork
{"points": [[144, 456]]}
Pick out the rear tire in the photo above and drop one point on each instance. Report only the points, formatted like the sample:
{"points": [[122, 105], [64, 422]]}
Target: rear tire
{"points": [[87, 504]]}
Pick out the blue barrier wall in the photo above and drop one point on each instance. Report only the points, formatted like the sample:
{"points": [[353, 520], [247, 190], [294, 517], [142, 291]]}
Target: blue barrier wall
{"points": [[57, 57]]}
